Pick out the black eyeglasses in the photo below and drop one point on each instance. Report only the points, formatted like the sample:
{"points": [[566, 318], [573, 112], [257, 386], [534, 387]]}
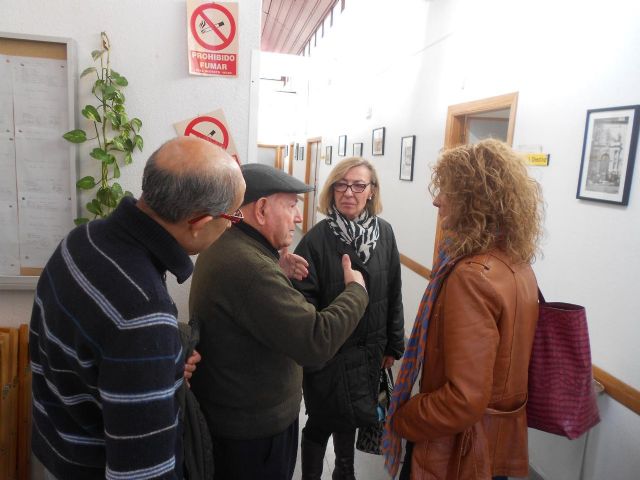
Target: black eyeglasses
{"points": [[235, 217], [355, 187]]}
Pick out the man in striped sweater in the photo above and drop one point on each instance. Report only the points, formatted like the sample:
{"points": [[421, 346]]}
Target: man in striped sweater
{"points": [[105, 349]]}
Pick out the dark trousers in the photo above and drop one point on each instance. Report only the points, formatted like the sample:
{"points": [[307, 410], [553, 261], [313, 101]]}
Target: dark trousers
{"points": [[316, 431], [270, 458]]}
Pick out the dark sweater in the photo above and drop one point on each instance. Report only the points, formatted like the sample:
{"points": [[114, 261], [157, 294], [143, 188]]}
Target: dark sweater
{"points": [[256, 331], [106, 353]]}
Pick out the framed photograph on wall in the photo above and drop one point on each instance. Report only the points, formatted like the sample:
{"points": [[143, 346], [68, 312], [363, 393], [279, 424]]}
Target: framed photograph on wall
{"points": [[342, 145], [407, 152], [295, 152], [327, 154], [357, 149], [377, 141], [285, 150], [301, 153], [608, 154]]}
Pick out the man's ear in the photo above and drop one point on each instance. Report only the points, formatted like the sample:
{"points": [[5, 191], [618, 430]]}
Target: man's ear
{"points": [[196, 227], [259, 209]]}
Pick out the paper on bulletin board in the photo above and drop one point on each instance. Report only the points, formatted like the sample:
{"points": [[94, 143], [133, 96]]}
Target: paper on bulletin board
{"points": [[211, 127], [212, 38], [40, 158]]}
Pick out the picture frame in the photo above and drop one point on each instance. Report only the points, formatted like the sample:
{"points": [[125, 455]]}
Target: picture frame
{"points": [[608, 154], [407, 154], [342, 145], [301, 153], [327, 154], [285, 150], [357, 149], [295, 152], [377, 141]]}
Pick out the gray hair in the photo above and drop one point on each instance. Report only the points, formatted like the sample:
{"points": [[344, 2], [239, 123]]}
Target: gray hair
{"points": [[177, 196]]}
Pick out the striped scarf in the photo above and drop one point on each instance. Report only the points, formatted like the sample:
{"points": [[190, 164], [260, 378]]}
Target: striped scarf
{"points": [[362, 233], [412, 362]]}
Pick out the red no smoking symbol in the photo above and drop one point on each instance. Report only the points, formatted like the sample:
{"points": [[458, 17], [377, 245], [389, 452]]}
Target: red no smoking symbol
{"points": [[209, 22], [216, 133]]}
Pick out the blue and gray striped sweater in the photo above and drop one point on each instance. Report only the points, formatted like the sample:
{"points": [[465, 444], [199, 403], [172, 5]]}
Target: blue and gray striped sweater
{"points": [[106, 354]]}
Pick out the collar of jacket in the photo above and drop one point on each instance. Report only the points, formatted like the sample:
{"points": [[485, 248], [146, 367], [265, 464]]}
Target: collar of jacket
{"points": [[256, 235]]}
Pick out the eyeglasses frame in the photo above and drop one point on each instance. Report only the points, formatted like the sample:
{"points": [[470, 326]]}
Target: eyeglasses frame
{"points": [[350, 187]]}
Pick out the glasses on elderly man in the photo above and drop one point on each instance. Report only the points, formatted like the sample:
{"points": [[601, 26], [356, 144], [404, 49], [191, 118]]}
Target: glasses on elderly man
{"points": [[355, 187], [235, 217]]}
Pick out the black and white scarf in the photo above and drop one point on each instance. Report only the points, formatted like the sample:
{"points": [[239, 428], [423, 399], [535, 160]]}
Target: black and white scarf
{"points": [[362, 233]]}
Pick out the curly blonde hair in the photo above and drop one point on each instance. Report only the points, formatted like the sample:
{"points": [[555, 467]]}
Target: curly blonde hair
{"points": [[491, 201], [325, 200]]}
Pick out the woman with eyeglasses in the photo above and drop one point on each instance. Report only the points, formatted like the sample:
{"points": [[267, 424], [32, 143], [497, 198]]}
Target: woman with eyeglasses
{"points": [[342, 395]]}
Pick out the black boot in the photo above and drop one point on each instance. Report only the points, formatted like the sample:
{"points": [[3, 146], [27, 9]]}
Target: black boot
{"points": [[343, 445], [312, 458]]}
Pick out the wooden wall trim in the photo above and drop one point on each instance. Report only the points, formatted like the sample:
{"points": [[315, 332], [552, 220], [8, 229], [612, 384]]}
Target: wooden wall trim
{"points": [[415, 266], [618, 390]]}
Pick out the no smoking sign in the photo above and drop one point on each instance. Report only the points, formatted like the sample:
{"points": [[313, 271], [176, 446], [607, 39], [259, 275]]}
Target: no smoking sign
{"points": [[213, 38]]}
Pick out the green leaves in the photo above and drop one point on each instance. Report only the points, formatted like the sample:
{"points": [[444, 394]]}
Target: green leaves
{"points": [[75, 136], [116, 135], [86, 183], [91, 113], [87, 71]]}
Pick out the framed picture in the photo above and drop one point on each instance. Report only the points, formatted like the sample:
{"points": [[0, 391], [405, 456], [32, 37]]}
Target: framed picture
{"points": [[608, 154], [342, 145], [327, 154], [285, 150], [301, 153], [295, 151], [407, 151], [377, 141], [357, 149]]}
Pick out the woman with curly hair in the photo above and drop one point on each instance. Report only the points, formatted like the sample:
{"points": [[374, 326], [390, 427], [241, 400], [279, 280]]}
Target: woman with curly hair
{"points": [[474, 330]]}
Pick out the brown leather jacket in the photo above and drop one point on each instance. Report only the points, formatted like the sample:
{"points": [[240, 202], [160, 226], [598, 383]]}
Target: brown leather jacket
{"points": [[469, 420]]}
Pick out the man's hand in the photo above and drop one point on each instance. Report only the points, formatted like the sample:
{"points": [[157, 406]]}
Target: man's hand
{"points": [[351, 275], [293, 266], [190, 366]]}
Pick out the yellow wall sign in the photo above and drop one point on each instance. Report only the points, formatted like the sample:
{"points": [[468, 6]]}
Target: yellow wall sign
{"points": [[537, 159]]}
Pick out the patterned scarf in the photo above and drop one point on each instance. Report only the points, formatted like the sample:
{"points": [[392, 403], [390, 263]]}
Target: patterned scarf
{"points": [[362, 233], [412, 362]]}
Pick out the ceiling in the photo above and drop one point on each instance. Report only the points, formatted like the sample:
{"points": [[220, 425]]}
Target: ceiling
{"points": [[287, 25]]}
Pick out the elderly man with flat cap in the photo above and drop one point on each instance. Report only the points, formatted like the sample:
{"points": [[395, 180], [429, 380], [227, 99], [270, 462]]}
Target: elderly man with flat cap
{"points": [[105, 349], [257, 331]]}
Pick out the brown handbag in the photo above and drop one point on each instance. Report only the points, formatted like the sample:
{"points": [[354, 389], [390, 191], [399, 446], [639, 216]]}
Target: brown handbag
{"points": [[562, 398]]}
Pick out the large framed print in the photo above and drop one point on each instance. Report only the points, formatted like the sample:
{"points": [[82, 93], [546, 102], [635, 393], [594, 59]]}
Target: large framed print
{"points": [[407, 152], [608, 154]]}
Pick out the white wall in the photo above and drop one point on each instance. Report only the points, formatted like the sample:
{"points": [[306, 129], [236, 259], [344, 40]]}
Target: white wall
{"points": [[149, 47], [402, 67]]}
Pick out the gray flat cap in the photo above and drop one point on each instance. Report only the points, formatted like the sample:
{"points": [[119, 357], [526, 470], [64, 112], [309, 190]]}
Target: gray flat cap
{"points": [[263, 180]]}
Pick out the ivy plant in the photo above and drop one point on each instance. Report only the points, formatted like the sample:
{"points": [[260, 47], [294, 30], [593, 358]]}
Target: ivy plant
{"points": [[116, 135]]}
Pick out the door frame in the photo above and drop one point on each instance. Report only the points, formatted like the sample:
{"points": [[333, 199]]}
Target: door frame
{"points": [[456, 130], [307, 177]]}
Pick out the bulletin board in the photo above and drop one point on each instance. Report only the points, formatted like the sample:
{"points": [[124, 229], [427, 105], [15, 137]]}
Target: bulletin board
{"points": [[37, 166]]}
